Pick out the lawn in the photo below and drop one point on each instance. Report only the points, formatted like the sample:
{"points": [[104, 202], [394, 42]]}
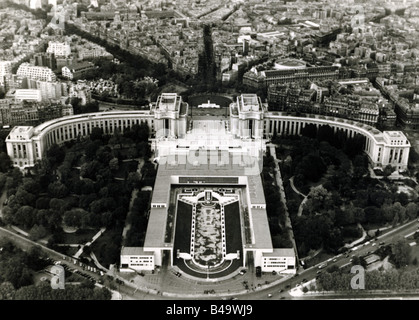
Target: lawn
{"points": [[183, 228], [233, 228]]}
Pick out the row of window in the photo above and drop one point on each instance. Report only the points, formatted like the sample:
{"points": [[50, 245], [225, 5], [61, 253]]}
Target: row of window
{"points": [[71, 131], [141, 258], [19, 151]]}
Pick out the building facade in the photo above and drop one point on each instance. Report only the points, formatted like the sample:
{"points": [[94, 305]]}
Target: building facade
{"points": [[36, 72], [77, 70], [265, 78], [59, 49]]}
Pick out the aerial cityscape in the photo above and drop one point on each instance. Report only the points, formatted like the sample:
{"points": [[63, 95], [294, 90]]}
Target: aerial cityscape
{"points": [[209, 150]]}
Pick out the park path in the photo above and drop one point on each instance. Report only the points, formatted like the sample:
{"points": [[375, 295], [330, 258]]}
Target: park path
{"points": [[97, 235], [354, 243], [302, 204]]}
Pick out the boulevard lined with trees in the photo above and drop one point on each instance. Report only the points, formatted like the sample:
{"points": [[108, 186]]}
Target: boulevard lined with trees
{"points": [[402, 277]]}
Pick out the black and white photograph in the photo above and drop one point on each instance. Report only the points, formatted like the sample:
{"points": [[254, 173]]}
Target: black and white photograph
{"points": [[209, 155]]}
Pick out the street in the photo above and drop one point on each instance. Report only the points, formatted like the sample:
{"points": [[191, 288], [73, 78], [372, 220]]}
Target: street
{"points": [[130, 291], [340, 260]]}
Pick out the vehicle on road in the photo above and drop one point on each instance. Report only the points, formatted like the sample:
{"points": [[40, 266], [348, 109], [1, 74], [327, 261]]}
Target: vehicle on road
{"points": [[242, 271], [334, 260], [269, 295], [323, 265]]}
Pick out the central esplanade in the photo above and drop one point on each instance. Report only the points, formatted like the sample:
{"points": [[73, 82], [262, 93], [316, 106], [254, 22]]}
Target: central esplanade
{"points": [[168, 120]]}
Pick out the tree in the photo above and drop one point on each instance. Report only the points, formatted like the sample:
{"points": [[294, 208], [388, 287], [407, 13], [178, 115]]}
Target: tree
{"points": [[145, 87], [73, 218], [22, 197], [412, 210], [401, 253], [57, 190], [92, 147], [5, 162], [96, 134], [319, 199], [402, 197], [37, 232], [133, 179], [35, 258], [89, 169], [55, 155], [114, 164], [7, 291], [25, 216]]}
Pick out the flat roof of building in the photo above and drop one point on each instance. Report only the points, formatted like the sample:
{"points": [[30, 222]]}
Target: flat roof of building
{"points": [[156, 228], [280, 252], [261, 232], [134, 251], [168, 101]]}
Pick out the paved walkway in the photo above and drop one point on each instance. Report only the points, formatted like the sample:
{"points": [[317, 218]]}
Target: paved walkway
{"points": [[303, 203], [354, 243], [97, 235]]}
